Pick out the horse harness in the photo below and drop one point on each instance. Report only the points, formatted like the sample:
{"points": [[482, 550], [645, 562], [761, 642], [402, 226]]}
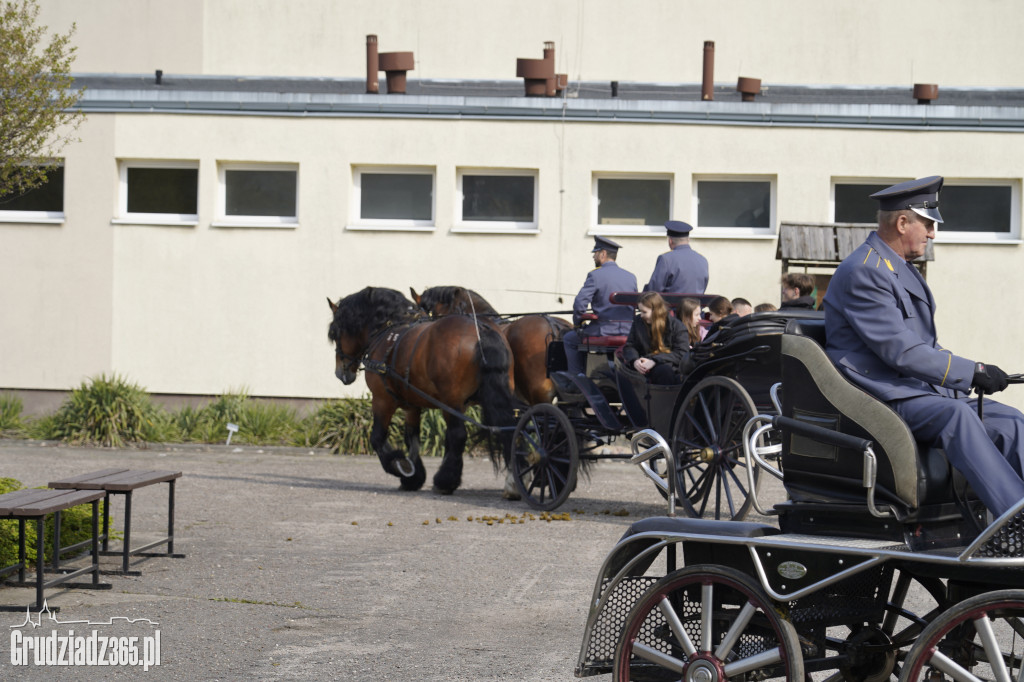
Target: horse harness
{"points": [[393, 333]]}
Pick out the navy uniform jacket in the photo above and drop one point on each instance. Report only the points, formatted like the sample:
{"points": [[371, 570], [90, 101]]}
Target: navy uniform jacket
{"points": [[880, 328], [601, 283], [682, 270]]}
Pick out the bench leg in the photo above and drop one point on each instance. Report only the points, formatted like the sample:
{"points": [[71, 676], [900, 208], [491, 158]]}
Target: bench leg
{"points": [[40, 561], [170, 517], [106, 521], [22, 559], [127, 530]]}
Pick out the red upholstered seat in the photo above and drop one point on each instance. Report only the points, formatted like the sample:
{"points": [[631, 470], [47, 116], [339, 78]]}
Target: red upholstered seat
{"points": [[603, 341]]}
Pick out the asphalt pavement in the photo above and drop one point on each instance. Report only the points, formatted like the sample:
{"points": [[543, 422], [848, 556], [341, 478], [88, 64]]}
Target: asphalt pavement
{"points": [[305, 565]]}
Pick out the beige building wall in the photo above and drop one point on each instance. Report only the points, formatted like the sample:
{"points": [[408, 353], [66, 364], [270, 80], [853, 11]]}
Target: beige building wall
{"points": [[847, 42], [206, 309]]}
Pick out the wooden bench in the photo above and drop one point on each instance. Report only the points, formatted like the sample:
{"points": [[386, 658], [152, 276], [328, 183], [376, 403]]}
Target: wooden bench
{"points": [[33, 504], [124, 482]]}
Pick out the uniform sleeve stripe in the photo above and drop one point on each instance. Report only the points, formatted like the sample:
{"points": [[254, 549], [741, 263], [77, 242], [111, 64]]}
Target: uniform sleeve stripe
{"points": [[949, 363]]}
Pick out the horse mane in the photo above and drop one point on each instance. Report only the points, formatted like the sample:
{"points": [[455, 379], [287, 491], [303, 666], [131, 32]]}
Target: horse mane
{"points": [[448, 300], [372, 309]]}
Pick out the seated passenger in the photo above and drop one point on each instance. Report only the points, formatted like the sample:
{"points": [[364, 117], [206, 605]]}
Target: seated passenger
{"points": [[689, 313], [765, 308], [658, 344], [797, 288], [720, 313], [742, 307]]}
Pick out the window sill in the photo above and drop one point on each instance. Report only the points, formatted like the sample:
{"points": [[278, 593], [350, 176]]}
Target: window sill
{"points": [[31, 221], [979, 242], [390, 228], [467, 229], [254, 225], [155, 222]]}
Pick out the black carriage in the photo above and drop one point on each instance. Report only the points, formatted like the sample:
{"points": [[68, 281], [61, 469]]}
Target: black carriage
{"points": [[881, 563], [702, 417]]}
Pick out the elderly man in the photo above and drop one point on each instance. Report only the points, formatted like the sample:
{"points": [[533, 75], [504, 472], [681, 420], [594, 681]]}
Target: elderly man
{"points": [[612, 320], [682, 270], [881, 333]]}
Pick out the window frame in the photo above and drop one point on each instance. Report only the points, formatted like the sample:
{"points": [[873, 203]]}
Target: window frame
{"points": [[225, 220], [496, 226], [37, 217], [866, 181], [620, 230], [944, 236], [176, 219], [718, 231], [356, 222]]}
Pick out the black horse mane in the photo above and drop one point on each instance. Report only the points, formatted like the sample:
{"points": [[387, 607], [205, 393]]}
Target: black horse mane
{"points": [[372, 309], [455, 299]]}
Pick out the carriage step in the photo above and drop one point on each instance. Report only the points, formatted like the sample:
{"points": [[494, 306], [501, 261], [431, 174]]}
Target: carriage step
{"points": [[598, 403]]}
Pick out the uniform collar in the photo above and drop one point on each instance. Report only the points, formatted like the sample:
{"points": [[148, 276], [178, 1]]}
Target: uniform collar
{"points": [[898, 266]]}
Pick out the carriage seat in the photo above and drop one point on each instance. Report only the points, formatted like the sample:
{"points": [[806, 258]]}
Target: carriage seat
{"points": [[603, 344], [916, 483]]}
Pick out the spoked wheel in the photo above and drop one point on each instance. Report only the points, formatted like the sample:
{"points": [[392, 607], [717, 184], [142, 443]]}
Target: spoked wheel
{"points": [[545, 457], [707, 624], [981, 638], [707, 439]]}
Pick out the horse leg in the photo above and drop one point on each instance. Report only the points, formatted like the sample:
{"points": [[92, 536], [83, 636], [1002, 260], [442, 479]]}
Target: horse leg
{"points": [[392, 460], [412, 446], [449, 476]]}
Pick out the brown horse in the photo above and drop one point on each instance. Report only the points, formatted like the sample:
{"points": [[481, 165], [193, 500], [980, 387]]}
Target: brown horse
{"points": [[528, 336], [415, 363]]}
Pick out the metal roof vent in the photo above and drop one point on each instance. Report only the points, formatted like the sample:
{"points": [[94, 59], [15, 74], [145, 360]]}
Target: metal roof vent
{"points": [[372, 65], [924, 93], [748, 88], [539, 77]]}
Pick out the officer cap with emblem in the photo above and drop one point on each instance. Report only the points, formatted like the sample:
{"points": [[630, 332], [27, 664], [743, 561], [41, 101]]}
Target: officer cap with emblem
{"points": [[920, 196], [605, 244], [677, 228]]}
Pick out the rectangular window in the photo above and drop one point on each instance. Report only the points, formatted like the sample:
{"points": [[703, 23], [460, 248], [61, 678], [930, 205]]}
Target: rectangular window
{"points": [[496, 200], [258, 195], [632, 204], [735, 206], [160, 192], [852, 202], [394, 197], [45, 203], [972, 210], [979, 212]]}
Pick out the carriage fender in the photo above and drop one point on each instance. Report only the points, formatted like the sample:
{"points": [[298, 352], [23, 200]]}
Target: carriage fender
{"points": [[646, 533]]}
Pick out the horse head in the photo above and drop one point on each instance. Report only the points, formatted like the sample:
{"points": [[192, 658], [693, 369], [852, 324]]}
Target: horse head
{"points": [[357, 318]]}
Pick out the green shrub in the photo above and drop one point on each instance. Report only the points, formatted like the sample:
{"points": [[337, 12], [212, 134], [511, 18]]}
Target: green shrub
{"points": [[10, 413], [106, 411], [75, 524]]}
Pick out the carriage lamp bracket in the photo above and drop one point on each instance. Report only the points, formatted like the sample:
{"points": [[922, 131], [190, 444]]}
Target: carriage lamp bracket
{"points": [[659, 447], [232, 430], [755, 457], [870, 476]]}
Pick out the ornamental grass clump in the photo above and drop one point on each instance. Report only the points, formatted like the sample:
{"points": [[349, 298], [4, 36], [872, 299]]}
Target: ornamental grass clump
{"points": [[11, 408], [107, 411]]}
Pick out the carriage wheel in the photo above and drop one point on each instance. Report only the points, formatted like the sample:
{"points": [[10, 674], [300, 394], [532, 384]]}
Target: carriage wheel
{"points": [[545, 457], [707, 438], [707, 624], [981, 638]]}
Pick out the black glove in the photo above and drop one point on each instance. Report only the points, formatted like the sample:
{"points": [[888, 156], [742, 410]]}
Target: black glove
{"points": [[988, 378]]}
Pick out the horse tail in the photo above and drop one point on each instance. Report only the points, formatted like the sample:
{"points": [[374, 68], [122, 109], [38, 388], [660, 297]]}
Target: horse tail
{"points": [[493, 393]]}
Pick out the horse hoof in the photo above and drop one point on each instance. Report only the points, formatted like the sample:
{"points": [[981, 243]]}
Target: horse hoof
{"points": [[511, 495], [443, 491]]}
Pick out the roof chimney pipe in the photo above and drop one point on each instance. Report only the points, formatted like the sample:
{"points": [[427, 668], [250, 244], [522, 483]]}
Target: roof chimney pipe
{"points": [[924, 93], [707, 88], [159, 77], [372, 65], [748, 88], [539, 78], [549, 56], [395, 65]]}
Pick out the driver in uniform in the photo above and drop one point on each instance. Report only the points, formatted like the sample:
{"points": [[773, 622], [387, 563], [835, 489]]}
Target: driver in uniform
{"points": [[612, 320], [880, 330]]}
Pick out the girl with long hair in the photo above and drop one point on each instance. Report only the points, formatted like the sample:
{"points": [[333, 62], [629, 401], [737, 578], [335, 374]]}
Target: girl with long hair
{"points": [[689, 313], [658, 344]]}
